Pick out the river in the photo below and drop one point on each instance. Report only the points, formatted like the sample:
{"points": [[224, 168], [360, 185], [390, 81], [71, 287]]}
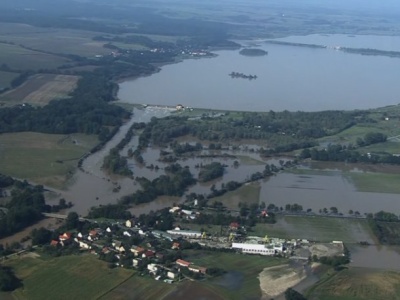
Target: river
{"points": [[289, 78]]}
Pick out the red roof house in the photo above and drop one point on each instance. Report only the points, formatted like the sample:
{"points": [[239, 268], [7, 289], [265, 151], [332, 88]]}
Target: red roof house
{"points": [[182, 263]]}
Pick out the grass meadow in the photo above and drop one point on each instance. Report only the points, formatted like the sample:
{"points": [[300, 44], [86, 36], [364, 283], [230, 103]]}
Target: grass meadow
{"points": [[40, 89], [66, 277], [18, 58], [323, 229], [43, 158], [357, 284]]}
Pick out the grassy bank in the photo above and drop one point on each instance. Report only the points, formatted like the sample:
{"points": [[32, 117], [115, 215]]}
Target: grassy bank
{"points": [[67, 277]]}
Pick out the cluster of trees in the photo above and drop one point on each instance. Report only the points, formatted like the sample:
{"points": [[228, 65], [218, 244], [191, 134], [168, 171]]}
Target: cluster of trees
{"points": [[180, 149], [291, 294], [211, 171], [288, 130], [348, 154], [8, 280], [110, 211], [173, 184], [386, 227], [372, 138], [335, 261], [25, 208], [116, 164], [86, 111]]}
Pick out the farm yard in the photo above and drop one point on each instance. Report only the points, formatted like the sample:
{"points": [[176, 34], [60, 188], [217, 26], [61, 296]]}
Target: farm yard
{"points": [[40, 89]]}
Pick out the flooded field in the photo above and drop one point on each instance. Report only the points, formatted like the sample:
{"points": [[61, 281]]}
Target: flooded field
{"points": [[375, 257], [324, 190], [314, 187]]}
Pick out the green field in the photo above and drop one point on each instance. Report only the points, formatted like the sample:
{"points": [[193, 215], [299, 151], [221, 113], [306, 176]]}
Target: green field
{"points": [[375, 182], [67, 277], [317, 228], [40, 89], [248, 193], [55, 40], [248, 266], [140, 288], [357, 284], [43, 158], [18, 58], [6, 78]]}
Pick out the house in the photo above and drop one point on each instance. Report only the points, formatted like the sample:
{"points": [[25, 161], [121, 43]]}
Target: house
{"points": [[175, 245], [105, 250], [120, 249], [80, 235], [127, 233], [179, 107], [172, 275], [148, 253], [160, 256], [174, 209], [136, 250], [54, 243], [136, 262], [187, 212], [116, 244], [152, 268], [182, 263], [234, 226], [82, 244], [108, 229], [186, 233], [197, 269], [65, 236], [130, 223], [93, 234]]}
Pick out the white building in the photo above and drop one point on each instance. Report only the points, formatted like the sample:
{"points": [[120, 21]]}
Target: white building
{"points": [[253, 249], [186, 233]]}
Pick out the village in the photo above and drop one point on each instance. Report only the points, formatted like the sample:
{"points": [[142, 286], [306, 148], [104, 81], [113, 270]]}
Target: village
{"points": [[161, 254]]}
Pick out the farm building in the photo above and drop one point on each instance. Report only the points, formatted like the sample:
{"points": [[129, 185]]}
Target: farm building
{"points": [[186, 233], [253, 248]]}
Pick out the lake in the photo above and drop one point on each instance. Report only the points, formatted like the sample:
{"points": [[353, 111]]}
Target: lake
{"points": [[289, 78]]}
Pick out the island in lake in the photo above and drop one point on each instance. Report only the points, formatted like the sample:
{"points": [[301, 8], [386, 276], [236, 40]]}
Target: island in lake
{"points": [[241, 75], [253, 52]]}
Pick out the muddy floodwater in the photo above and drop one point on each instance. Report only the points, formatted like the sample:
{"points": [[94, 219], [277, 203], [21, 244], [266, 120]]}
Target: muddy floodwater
{"points": [[376, 257], [324, 191], [312, 190]]}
